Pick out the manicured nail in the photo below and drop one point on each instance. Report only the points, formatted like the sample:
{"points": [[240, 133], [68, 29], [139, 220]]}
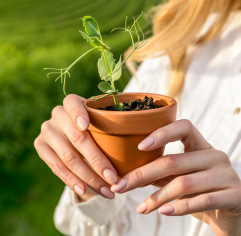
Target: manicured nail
{"points": [[141, 208], [81, 121], [146, 143], [121, 184], [110, 176], [166, 210], [79, 190], [105, 191]]}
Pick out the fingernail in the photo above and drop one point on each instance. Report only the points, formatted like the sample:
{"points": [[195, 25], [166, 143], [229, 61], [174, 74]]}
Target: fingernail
{"points": [[166, 210], [106, 192], [121, 184], [81, 121], [110, 176], [141, 208], [146, 143], [79, 190]]}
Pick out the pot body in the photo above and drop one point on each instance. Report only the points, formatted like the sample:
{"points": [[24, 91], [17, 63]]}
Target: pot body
{"points": [[118, 133]]}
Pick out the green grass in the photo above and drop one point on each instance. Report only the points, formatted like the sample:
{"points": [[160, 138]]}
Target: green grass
{"points": [[33, 35]]}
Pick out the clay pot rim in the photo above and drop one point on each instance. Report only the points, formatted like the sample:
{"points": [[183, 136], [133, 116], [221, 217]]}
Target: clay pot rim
{"points": [[132, 113]]}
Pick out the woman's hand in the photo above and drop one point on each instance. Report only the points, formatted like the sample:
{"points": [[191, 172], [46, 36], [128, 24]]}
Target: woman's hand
{"points": [[62, 143], [202, 179]]}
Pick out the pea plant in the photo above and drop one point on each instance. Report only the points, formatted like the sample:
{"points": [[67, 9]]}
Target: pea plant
{"points": [[108, 69]]}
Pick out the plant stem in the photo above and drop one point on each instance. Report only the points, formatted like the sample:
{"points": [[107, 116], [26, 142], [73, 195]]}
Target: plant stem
{"points": [[116, 102], [101, 97], [78, 59], [112, 82], [114, 96]]}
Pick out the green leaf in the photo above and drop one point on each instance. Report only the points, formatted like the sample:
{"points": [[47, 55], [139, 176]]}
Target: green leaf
{"points": [[117, 71], [104, 87], [98, 43], [110, 59], [94, 41], [91, 27], [85, 36], [92, 35], [112, 91], [102, 67]]}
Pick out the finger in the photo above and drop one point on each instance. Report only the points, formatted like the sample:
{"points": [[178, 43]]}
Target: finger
{"points": [[160, 183], [182, 130], [223, 199], [73, 104], [72, 159], [85, 144], [57, 166], [188, 184], [171, 165]]}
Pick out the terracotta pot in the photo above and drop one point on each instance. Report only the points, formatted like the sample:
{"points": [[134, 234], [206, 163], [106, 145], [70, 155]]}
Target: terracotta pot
{"points": [[118, 133]]}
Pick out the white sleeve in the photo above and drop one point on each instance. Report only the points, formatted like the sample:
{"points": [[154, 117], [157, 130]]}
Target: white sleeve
{"points": [[103, 217]]}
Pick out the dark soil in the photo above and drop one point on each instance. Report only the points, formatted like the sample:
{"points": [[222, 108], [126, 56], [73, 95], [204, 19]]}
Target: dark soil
{"points": [[134, 105]]}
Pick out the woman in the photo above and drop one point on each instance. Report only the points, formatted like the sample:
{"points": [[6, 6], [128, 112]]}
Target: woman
{"points": [[195, 56]]}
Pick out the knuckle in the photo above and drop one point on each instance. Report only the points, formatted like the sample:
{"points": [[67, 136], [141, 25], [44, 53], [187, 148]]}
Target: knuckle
{"points": [[45, 126], [209, 201], [55, 169], [37, 142], [153, 199], [187, 123], [232, 176], [169, 161], [95, 160], [138, 175], [184, 183], [162, 133], [56, 111], [78, 137], [68, 158], [185, 206], [223, 157], [90, 179], [68, 180]]}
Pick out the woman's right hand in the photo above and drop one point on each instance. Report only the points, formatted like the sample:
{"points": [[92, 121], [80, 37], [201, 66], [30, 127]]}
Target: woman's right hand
{"points": [[63, 141]]}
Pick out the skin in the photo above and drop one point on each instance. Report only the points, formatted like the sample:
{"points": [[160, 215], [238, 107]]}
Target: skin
{"points": [[62, 143], [201, 180]]}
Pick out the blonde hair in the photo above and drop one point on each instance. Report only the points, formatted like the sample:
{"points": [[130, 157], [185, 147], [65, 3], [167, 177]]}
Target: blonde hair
{"points": [[176, 25]]}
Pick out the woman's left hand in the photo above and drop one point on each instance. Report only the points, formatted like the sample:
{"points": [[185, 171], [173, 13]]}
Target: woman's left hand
{"points": [[202, 179]]}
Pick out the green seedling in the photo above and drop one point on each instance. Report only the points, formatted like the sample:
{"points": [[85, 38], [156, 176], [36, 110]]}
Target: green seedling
{"points": [[108, 69]]}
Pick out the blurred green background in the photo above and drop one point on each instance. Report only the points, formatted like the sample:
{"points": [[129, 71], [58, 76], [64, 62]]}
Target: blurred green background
{"points": [[35, 34]]}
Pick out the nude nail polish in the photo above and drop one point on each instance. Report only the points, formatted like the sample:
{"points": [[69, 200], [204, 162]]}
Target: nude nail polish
{"points": [[105, 191], [79, 190], [146, 143], [120, 185], [110, 176], [82, 123], [166, 210], [141, 208]]}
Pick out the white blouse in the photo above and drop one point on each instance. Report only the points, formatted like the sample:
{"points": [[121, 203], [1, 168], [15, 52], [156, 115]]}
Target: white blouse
{"points": [[211, 95]]}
